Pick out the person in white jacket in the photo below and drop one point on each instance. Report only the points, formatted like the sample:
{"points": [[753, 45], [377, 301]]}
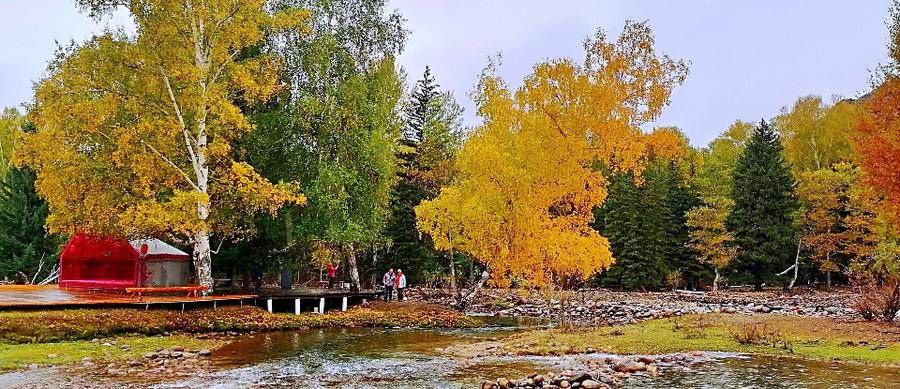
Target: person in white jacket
{"points": [[400, 284]]}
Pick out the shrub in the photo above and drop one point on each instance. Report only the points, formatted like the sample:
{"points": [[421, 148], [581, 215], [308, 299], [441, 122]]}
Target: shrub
{"points": [[759, 334], [674, 279], [878, 299]]}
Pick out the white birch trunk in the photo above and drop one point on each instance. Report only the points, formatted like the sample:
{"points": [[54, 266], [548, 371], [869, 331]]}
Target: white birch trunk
{"points": [[716, 280], [352, 267]]}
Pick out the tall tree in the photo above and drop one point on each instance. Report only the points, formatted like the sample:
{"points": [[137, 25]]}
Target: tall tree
{"points": [[24, 241], [645, 224], [336, 127], [718, 159], [527, 181], [837, 217], [10, 123], [816, 135], [134, 133], [764, 206], [431, 138]]}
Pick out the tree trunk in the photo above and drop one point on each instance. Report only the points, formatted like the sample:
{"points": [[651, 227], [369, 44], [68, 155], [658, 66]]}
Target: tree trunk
{"points": [[796, 266], [354, 270], [453, 290], [470, 294], [203, 260], [716, 280]]}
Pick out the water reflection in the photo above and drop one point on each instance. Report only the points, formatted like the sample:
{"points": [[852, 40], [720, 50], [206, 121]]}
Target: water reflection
{"points": [[367, 358]]}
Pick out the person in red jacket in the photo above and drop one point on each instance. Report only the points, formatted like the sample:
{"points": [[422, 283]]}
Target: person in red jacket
{"points": [[400, 284], [332, 274]]}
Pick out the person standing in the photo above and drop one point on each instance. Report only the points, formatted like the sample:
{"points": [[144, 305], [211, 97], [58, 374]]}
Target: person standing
{"points": [[400, 283], [388, 282], [332, 274]]}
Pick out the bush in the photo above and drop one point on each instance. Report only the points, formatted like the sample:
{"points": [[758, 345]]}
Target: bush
{"points": [[757, 335], [878, 299]]}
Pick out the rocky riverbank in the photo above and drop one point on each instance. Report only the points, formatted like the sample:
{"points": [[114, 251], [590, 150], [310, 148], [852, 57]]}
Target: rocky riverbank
{"points": [[608, 372], [606, 307]]}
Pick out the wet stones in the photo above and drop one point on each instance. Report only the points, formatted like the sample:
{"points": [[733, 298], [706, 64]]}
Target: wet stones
{"points": [[608, 372]]}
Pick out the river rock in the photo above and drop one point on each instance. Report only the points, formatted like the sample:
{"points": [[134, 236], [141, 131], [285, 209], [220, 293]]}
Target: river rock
{"points": [[630, 367], [645, 360], [503, 382], [591, 384], [564, 384], [204, 353]]}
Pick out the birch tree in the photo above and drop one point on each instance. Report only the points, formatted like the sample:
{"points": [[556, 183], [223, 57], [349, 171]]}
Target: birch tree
{"points": [[135, 131]]}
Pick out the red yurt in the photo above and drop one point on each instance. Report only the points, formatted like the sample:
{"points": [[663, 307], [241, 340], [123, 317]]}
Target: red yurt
{"points": [[109, 263]]}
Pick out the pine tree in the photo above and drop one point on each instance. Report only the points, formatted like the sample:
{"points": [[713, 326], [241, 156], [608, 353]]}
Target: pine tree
{"points": [[421, 107], [23, 239], [764, 205], [646, 227], [432, 135]]}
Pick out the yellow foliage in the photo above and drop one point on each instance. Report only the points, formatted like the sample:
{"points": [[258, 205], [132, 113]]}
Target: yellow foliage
{"points": [[134, 133], [529, 176]]}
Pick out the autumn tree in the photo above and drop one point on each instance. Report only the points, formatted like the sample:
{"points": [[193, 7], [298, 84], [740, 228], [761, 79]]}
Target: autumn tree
{"points": [[10, 122], [709, 237], [764, 205], [718, 159], [816, 135], [134, 132], [335, 127], [527, 179], [432, 136], [837, 217]]}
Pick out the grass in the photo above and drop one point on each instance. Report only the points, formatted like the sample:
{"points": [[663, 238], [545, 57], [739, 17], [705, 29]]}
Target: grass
{"points": [[21, 355], [85, 324], [817, 338]]}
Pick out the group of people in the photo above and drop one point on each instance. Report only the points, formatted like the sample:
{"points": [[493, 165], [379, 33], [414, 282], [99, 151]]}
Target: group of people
{"points": [[393, 280]]}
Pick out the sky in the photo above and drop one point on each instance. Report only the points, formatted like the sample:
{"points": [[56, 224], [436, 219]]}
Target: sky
{"points": [[748, 59]]}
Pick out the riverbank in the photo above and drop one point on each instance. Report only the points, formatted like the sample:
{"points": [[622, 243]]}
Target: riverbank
{"points": [[594, 307], [817, 338], [121, 339]]}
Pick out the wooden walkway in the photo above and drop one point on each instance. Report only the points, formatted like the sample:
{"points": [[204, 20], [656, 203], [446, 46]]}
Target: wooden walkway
{"points": [[47, 297]]}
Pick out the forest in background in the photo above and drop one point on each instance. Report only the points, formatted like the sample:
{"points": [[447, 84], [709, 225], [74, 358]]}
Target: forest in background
{"points": [[286, 138]]}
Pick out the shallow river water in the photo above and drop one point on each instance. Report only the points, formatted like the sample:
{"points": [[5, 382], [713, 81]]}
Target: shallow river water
{"points": [[367, 358]]}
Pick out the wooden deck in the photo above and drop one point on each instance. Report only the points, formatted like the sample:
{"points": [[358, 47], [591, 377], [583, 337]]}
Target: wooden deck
{"points": [[46, 297]]}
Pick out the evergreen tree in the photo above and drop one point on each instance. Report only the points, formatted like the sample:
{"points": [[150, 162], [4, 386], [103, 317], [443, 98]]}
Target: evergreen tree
{"points": [[432, 135], [645, 225], [23, 239], [764, 205]]}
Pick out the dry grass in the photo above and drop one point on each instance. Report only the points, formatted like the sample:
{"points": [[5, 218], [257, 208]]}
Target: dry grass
{"points": [[68, 325]]}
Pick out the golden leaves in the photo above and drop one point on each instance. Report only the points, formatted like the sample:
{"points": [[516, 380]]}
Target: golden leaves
{"points": [[529, 176]]}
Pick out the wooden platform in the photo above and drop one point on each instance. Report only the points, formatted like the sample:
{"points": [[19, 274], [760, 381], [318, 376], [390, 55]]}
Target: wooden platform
{"points": [[23, 297], [46, 297]]}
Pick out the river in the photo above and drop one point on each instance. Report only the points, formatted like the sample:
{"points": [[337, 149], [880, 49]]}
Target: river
{"points": [[398, 358]]}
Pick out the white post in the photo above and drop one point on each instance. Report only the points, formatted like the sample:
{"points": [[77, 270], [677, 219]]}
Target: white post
{"points": [[296, 306], [344, 304], [269, 305], [322, 305]]}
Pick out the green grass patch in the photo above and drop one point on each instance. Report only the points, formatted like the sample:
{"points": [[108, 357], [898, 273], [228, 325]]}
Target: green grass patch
{"points": [[806, 337], [18, 356]]}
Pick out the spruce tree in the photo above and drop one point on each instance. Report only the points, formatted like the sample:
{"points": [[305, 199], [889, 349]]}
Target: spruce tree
{"points": [[764, 205], [23, 239], [432, 135], [645, 225]]}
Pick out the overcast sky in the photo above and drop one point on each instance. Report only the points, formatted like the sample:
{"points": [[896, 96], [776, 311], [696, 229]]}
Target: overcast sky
{"points": [[748, 58]]}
